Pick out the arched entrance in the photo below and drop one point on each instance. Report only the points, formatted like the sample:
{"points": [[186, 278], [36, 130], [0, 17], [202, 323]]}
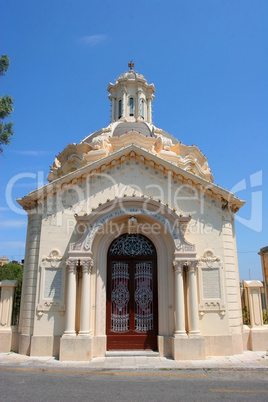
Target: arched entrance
{"points": [[132, 310]]}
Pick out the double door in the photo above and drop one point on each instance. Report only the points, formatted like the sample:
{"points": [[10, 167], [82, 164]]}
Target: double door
{"points": [[132, 303]]}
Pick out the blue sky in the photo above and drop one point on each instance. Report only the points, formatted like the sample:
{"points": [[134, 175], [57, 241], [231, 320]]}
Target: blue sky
{"points": [[207, 59]]}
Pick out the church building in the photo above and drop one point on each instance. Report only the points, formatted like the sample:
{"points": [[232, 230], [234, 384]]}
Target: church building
{"points": [[130, 245]]}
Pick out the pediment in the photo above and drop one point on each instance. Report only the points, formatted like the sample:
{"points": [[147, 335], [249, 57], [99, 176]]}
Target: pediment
{"points": [[151, 163]]}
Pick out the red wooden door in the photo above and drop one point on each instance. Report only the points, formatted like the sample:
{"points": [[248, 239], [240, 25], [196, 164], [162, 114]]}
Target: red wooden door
{"points": [[132, 294]]}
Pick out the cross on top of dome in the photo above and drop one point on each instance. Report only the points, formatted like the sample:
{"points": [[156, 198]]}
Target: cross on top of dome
{"points": [[131, 65]]}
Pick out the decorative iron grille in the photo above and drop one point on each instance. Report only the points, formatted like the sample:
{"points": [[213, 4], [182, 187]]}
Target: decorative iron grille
{"points": [[143, 296], [132, 245], [120, 297]]}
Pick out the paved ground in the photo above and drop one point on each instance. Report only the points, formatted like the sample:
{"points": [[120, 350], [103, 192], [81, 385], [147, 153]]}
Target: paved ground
{"points": [[45, 385], [247, 361]]}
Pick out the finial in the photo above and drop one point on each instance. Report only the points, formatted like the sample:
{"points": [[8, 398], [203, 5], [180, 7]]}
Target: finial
{"points": [[131, 65]]}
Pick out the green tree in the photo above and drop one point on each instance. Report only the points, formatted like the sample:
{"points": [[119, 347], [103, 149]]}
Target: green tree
{"points": [[13, 271], [4, 64], [6, 102]]}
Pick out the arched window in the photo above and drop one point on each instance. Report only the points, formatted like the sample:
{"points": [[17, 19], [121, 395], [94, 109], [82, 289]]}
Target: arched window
{"points": [[131, 106], [142, 108], [119, 109]]}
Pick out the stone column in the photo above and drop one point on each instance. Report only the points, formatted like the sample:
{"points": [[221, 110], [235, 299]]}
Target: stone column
{"points": [[113, 110], [124, 106], [179, 298], [71, 298], [138, 111], [193, 299], [149, 110], [85, 298]]}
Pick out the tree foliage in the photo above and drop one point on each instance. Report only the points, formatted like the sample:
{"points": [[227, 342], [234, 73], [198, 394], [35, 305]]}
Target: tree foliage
{"points": [[13, 271], [4, 64], [6, 102]]}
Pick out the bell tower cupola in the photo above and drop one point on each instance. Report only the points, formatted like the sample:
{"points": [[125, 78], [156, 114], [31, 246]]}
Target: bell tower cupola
{"points": [[131, 97]]}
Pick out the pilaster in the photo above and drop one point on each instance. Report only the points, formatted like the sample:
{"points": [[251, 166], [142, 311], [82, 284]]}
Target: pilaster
{"points": [[231, 274], [30, 273]]}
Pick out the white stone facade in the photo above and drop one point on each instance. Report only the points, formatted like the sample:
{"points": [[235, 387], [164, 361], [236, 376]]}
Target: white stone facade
{"points": [[130, 177]]}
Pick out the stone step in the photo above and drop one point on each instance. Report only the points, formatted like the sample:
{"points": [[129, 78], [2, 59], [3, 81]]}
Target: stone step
{"points": [[131, 353]]}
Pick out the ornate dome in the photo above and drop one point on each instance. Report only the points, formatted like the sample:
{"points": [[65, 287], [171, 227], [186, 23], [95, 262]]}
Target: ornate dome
{"points": [[119, 128], [131, 124], [131, 75]]}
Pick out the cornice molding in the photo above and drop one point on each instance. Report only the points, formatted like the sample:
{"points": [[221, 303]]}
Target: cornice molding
{"points": [[133, 151]]}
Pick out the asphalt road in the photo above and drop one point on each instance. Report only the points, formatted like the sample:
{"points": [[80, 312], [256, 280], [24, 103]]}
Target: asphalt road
{"points": [[161, 385]]}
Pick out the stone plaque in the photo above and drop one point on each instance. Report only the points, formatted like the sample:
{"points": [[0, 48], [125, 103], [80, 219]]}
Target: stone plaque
{"points": [[211, 283], [52, 288]]}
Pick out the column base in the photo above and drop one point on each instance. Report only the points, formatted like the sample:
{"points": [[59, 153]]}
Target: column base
{"points": [[84, 333], [180, 334], [194, 333], [188, 348], [76, 348], [69, 334]]}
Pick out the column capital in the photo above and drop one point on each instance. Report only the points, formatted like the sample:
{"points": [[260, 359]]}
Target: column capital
{"points": [[178, 266], [181, 264], [71, 265], [86, 265], [191, 265]]}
